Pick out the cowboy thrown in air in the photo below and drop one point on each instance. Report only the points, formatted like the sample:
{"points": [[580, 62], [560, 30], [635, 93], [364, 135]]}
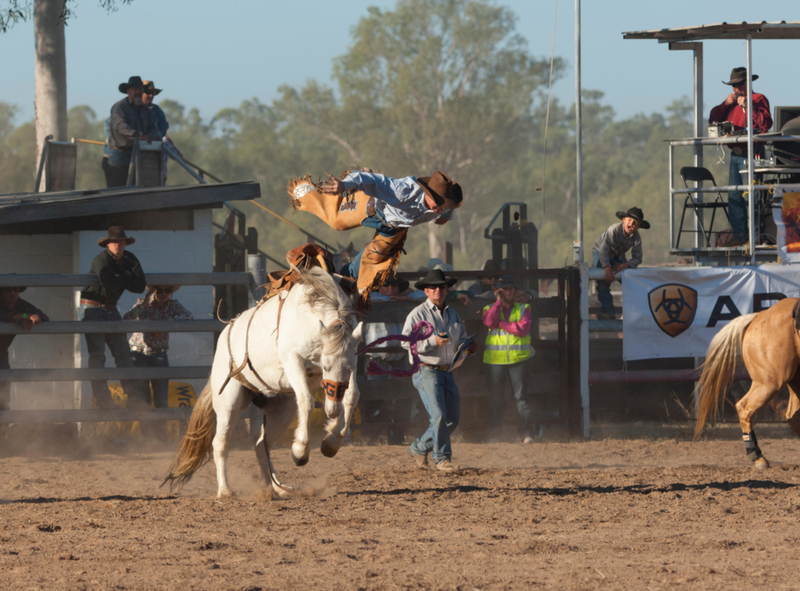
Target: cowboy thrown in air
{"points": [[390, 206]]}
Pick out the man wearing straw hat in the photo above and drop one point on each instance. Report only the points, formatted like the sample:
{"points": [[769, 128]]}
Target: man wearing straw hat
{"points": [[734, 110], [14, 309], [435, 383], [117, 270], [149, 349]]}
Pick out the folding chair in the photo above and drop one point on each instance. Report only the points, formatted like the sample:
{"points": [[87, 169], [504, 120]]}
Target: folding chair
{"points": [[699, 174]]}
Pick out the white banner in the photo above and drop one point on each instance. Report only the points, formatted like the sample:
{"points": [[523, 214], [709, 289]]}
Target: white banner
{"points": [[671, 312]]}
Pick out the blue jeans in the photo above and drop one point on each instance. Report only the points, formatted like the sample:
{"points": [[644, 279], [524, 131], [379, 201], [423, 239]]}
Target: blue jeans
{"points": [[737, 206], [160, 387], [118, 344], [5, 387], [604, 287], [496, 381], [378, 222], [439, 394]]}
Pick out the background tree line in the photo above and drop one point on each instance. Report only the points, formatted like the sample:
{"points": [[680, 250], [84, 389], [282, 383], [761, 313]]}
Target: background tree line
{"points": [[431, 85]]}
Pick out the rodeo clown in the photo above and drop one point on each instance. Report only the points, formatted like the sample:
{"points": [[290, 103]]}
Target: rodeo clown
{"points": [[388, 205]]}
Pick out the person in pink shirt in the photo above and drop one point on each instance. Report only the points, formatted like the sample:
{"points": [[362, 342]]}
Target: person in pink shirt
{"points": [[507, 356], [734, 110]]}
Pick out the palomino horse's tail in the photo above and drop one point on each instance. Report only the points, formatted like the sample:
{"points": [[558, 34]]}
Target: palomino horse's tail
{"points": [[719, 369], [195, 447]]}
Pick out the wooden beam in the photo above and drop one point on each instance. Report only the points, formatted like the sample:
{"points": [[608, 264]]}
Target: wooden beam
{"points": [[85, 280], [91, 415], [77, 374], [122, 326]]}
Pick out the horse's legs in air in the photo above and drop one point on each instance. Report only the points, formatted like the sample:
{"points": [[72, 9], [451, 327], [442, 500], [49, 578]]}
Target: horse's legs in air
{"points": [[271, 421], [227, 406], [337, 428], [296, 374], [757, 396]]}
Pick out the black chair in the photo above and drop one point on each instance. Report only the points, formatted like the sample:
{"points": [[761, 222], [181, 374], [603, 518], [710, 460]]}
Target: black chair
{"points": [[695, 174]]}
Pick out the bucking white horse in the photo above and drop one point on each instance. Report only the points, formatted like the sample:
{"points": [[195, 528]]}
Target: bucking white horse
{"points": [[274, 355]]}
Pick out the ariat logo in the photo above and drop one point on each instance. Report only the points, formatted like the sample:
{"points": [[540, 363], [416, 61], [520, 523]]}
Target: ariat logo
{"points": [[673, 307], [349, 205]]}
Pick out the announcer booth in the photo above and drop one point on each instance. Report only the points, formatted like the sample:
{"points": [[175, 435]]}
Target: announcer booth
{"points": [[672, 313]]}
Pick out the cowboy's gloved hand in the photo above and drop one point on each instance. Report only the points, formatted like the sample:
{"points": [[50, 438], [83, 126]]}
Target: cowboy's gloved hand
{"points": [[333, 185]]}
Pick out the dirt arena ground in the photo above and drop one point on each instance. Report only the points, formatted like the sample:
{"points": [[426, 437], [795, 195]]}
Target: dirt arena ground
{"points": [[651, 512]]}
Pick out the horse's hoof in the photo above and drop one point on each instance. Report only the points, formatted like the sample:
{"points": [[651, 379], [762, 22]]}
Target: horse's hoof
{"points": [[225, 494], [761, 464], [299, 461], [328, 449]]}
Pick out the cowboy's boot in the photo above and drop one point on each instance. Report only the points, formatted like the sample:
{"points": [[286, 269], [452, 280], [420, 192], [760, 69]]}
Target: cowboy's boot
{"points": [[380, 257], [340, 212]]}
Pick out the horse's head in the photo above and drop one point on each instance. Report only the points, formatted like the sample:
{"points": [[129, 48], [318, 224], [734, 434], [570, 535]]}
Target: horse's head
{"points": [[338, 359]]}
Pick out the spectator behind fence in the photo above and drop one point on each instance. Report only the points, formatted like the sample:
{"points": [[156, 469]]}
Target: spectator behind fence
{"points": [[435, 383], [507, 355], [484, 287], [128, 117], [609, 254], [14, 309], [149, 93], [117, 270], [149, 349]]}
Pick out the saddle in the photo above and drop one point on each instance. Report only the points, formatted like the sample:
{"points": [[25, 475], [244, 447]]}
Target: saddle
{"points": [[302, 257]]}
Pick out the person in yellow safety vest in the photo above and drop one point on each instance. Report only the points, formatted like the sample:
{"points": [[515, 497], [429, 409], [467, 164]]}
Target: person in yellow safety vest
{"points": [[507, 354]]}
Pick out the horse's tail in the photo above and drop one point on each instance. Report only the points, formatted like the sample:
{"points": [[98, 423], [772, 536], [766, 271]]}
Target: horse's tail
{"points": [[195, 447], [719, 368]]}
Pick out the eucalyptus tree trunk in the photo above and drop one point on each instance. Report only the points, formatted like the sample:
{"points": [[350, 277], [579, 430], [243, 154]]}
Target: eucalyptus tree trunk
{"points": [[51, 73]]}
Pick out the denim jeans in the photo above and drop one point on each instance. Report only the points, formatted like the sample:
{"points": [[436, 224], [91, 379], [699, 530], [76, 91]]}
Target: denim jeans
{"points": [[118, 345], [439, 394], [160, 387], [604, 287], [378, 222], [496, 376], [5, 387], [737, 206]]}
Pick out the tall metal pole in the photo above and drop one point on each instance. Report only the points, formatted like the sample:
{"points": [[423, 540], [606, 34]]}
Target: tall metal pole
{"points": [[578, 133], [755, 220]]}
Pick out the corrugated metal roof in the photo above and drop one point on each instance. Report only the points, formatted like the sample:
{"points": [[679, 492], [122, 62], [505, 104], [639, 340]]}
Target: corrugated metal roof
{"points": [[33, 207], [758, 30]]}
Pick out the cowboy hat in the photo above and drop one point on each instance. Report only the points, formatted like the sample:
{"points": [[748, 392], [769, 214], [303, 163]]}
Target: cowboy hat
{"points": [[635, 213], [439, 187], [17, 288], [738, 75], [394, 280], [115, 233], [435, 278], [133, 82], [150, 87]]}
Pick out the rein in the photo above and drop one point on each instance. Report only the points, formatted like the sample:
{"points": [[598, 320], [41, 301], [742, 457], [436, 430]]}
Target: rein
{"points": [[421, 331], [236, 371]]}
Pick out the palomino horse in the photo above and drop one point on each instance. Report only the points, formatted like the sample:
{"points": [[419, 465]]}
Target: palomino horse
{"points": [[282, 349], [769, 345]]}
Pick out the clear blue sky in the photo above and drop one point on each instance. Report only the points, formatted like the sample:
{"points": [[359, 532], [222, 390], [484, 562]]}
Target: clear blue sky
{"points": [[211, 55]]}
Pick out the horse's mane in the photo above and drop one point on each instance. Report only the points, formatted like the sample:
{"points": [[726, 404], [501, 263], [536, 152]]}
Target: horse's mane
{"points": [[322, 294]]}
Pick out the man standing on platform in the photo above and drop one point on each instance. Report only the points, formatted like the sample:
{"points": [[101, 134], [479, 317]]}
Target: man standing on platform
{"points": [[734, 110], [435, 383], [117, 270]]}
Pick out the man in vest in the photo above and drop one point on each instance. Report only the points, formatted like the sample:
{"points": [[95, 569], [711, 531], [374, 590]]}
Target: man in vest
{"points": [[508, 351]]}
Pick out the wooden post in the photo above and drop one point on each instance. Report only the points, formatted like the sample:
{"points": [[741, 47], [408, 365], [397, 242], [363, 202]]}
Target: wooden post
{"points": [[448, 253]]}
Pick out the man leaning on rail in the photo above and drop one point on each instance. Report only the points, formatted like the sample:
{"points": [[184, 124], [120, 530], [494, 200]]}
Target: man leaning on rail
{"points": [[117, 270], [14, 309]]}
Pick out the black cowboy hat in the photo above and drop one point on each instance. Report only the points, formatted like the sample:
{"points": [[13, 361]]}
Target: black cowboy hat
{"points": [[150, 87], [115, 233], [738, 75], [435, 278], [440, 188], [393, 280], [17, 288], [133, 82], [635, 213]]}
